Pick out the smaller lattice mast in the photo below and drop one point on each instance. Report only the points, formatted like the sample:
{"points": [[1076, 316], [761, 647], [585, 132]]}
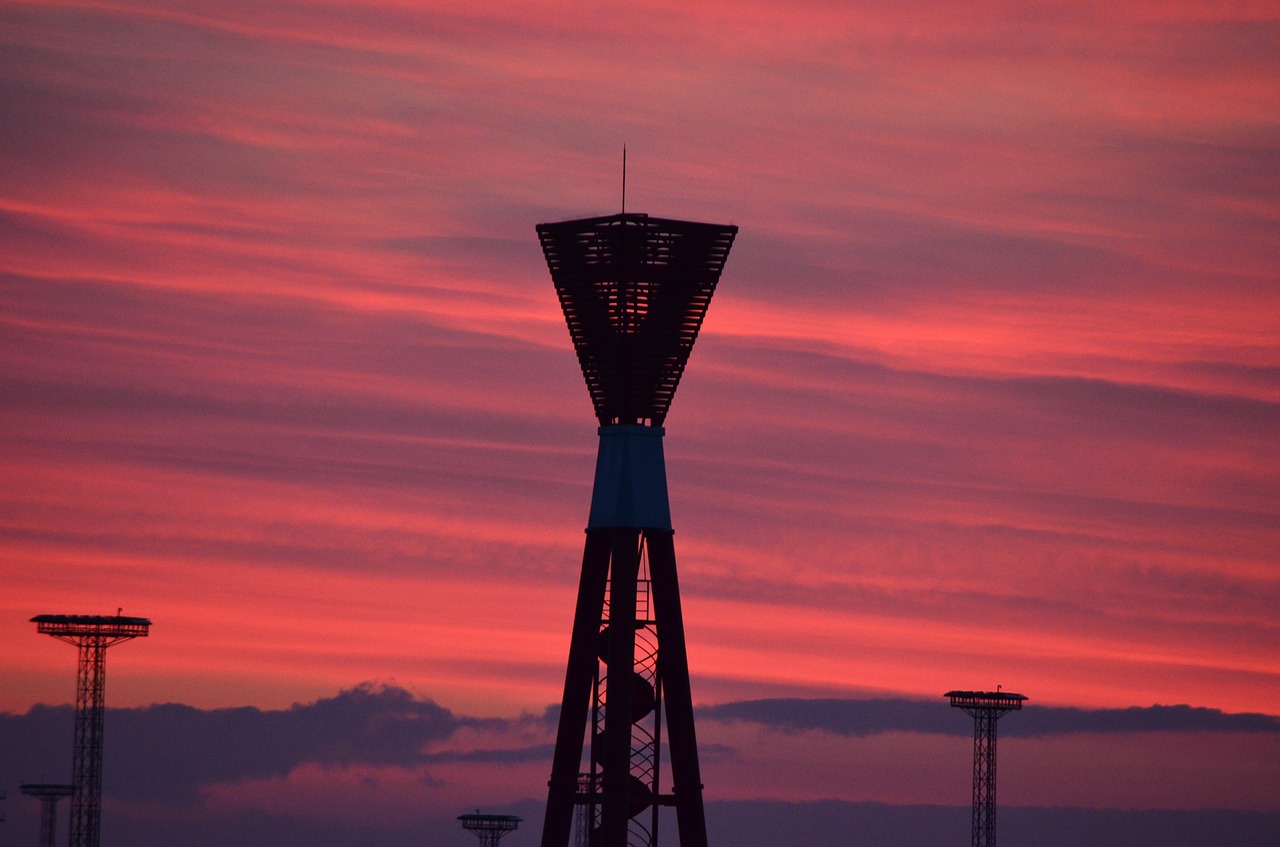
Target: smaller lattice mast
{"points": [[91, 635], [985, 707], [587, 815], [49, 795], [489, 828]]}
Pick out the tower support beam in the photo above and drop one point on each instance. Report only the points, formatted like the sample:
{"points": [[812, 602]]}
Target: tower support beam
{"points": [[86, 774], [620, 705], [673, 669], [576, 702]]}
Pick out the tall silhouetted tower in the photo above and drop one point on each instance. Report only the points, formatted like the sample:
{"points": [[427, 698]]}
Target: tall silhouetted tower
{"points": [[986, 707], [49, 794], [634, 290], [92, 635], [489, 828]]}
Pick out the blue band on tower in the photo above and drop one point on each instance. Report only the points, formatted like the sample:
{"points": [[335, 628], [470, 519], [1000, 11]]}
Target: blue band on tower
{"points": [[631, 479]]}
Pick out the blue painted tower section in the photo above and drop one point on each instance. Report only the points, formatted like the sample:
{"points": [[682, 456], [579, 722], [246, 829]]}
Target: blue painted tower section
{"points": [[631, 479]]}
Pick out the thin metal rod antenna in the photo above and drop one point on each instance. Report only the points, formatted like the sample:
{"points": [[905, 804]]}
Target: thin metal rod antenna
{"points": [[624, 179]]}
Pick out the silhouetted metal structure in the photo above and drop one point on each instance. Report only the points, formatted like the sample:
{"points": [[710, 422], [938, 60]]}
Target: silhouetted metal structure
{"points": [[49, 794], [985, 707], [92, 635], [489, 828], [587, 817], [634, 291]]}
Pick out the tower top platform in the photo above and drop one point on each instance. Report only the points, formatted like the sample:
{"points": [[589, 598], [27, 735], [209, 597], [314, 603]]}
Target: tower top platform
{"points": [[47, 789], [110, 626], [489, 823], [634, 290], [985, 699]]}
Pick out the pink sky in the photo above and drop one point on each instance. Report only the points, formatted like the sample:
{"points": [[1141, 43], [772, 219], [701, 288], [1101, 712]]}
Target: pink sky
{"points": [[989, 394]]}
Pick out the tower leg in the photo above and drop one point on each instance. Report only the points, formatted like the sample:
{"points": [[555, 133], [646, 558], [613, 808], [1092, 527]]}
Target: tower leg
{"points": [[619, 687], [984, 778], [673, 663], [579, 675], [86, 767], [48, 820]]}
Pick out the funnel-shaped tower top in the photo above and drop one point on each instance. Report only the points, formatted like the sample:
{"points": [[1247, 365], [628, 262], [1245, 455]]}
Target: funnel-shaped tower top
{"points": [[634, 290]]}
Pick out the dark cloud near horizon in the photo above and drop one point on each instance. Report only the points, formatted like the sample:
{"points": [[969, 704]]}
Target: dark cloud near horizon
{"points": [[168, 752], [872, 717], [239, 264], [180, 748], [521, 754], [747, 823], [783, 824]]}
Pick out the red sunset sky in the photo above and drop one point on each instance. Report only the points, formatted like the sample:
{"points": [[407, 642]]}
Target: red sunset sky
{"points": [[989, 393]]}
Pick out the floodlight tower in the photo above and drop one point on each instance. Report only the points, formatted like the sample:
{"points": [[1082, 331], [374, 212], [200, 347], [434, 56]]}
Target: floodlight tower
{"points": [[634, 291], [985, 707], [489, 828], [92, 635], [49, 794]]}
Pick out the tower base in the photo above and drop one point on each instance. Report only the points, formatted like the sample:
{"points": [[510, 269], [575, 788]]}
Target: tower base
{"points": [[627, 671]]}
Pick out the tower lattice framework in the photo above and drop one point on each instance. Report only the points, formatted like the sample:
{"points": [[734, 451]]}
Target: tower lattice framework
{"points": [[634, 291], [985, 707], [92, 635]]}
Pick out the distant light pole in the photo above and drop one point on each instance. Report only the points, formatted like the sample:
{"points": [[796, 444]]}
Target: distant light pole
{"points": [[489, 828], [986, 707], [92, 635], [49, 794]]}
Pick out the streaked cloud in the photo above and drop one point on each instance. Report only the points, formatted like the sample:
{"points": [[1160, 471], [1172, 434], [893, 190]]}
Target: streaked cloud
{"points": [[173, 753], [186, 758], [870, 717], [989, 390]]}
